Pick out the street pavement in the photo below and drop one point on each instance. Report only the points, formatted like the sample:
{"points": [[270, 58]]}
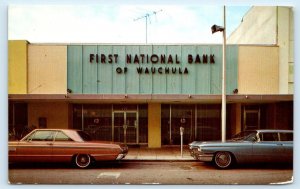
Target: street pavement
{"points": [[150, 173], [166, 166]]}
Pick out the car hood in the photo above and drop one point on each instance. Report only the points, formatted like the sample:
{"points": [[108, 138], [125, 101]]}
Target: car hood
{"points": [[214, 143]]}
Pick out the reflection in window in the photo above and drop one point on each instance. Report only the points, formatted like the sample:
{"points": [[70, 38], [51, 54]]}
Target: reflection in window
{"points": [[62, 137], [42, 136]]}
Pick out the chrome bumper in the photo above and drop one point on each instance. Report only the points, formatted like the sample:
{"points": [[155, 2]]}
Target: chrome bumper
{"points": [[123, 153], [194, 153], [200, 156], [205, 157], [121, 156]]}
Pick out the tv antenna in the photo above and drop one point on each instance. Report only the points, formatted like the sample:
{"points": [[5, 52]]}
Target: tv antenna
{"points": [[146, 16]]}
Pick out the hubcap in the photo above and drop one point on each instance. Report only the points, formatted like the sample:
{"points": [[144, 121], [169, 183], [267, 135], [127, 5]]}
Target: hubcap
{"points": [[223, 159], [82, 160]]}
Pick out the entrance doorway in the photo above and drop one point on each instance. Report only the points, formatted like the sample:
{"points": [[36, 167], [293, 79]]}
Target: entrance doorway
{"points": [[125, 127]]}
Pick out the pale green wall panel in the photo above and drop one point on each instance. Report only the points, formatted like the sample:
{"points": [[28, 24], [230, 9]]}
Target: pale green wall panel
{"points": [[206, 80], [103, 77], [146, 80], [89, 71], [174, 81], [159, 80], [119, 79], [132, 79], [231, 70], [189, 83], [105, 71], [216, 70], [74, 73]]}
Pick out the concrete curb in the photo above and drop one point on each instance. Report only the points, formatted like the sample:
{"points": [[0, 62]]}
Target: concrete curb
{"points": [[160, 160]]}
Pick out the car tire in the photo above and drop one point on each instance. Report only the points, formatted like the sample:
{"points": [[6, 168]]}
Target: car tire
{"points": [[82, 160], [223, 160]]}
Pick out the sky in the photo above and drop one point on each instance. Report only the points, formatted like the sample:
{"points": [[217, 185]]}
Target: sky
{"points": [[121, 23]]}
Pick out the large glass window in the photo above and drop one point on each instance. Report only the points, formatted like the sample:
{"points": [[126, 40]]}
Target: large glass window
{"points": [[18, 123], [77, 116], [165, 124], [173, 117], [97, 121], [106, 121], [182, 116], [143, 123], [201, 122], [208, 122]]}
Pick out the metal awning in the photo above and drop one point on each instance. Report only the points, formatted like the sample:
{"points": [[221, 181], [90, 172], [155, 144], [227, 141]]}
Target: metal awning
{"points": [[149, 98]]}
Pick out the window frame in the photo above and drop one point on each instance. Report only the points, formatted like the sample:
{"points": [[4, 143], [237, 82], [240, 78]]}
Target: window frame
{"points": [[30, 138], [57, 133]]}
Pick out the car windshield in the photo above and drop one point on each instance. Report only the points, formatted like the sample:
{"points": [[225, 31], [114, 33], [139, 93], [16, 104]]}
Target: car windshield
{"points": [[84, 136], [245, 135]]}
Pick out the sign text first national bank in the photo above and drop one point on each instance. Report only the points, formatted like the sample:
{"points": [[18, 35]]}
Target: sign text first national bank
{"points": [[153, 59]]}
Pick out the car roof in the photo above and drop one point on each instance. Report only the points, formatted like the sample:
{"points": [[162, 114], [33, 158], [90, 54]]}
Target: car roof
{"points": [[274, 130], [70, 132], [51, 129]]}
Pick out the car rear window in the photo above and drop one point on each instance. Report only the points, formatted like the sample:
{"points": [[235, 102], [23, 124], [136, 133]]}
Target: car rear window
{"points": [[286, 136], [84, 136], [268, 136]]}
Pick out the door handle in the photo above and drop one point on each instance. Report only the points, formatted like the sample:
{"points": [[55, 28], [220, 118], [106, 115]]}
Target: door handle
{"points": [[279, 144]]}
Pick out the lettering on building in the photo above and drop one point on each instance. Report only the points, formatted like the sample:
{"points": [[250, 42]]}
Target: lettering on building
{"points": [[169, 62]]}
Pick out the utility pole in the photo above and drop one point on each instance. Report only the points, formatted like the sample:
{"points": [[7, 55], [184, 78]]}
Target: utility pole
{"points": [[146, 16], [214, 29]]}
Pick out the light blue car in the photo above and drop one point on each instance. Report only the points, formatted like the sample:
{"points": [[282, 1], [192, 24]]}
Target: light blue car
{"points": [[246, 147]]}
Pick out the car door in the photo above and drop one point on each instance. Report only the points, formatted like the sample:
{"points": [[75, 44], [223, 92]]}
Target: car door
{"points": [[37, 147], [268, 148], [63, 147], [286, 139]]}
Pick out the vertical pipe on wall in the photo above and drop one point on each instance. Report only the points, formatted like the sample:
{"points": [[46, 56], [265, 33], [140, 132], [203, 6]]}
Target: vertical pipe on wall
{"points": [[170, 124], [137, 124], [196, 122], [82, 118]]}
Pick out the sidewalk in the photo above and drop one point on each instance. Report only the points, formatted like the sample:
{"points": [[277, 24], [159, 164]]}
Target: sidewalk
{"points": [[166, 153]]}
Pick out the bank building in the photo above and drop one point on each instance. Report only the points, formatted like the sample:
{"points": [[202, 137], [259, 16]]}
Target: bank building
{"points": [[151, 90]]}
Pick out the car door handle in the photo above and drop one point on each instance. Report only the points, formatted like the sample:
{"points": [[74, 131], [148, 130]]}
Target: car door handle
{"points": [[279, 144]]}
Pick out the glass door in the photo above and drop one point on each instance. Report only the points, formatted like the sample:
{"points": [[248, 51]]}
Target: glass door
{"points": [[125, 127]]}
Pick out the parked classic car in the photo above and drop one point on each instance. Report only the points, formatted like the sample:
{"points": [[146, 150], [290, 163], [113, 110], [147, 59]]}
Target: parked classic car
{"points": [[64, 145], [246, 147]]}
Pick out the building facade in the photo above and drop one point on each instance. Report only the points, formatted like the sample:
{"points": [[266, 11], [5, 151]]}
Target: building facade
{"points": [[143, 94]]}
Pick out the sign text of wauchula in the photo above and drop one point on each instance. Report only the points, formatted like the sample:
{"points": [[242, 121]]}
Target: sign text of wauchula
{"points": [[153, 59]]}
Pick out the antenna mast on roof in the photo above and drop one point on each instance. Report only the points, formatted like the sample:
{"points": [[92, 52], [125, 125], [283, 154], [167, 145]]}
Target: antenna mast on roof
{"points": [[146, 16]]}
